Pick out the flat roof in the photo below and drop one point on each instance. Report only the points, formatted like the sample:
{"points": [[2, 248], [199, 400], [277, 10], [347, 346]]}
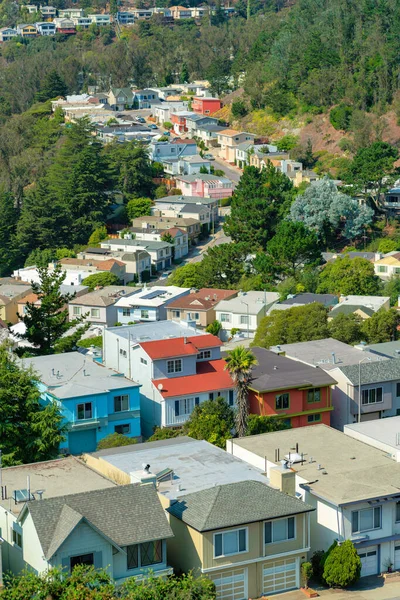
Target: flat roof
{"points": [[55, 478], [389, 349], [196, 464], [327, 353], [105, 296], [155, 296], [160, 330], [343, 470], [185, 200], [253, 301], [385, 431]]}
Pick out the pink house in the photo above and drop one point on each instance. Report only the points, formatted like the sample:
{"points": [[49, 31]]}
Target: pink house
{"points": [[204, 185]]}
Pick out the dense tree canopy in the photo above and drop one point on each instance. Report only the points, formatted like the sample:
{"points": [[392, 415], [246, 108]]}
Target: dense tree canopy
{"points": [[294, 246], [349, 276]]}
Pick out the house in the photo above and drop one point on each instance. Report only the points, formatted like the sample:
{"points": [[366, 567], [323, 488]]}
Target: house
{"points": [[204, 497], [71, 13], [65, 26], [206, 105], [363, 306], [192, 227], [208, 133], [391, 201], [160, 252], [7, 34], [386, 349], [147, 304], [120, 98], [244, 312], [198, 306], [246, 149], [180, 238], [10, 295], [48, 12], [180, 12], [205, 185], [164, 93], [163, 112], [31, 8], [333, 356], [173, 205], [176, 148], [351, 485], [83, 266], [143, 98], [229, 139], [188, 211], [49, 479], [99, 306], [94, 401], [195, 121], [378, 433], [83, 23], [45, 28], [178, 119], [187, 165], [26, 30], [125, 18], [76, 290], [101, 20], [293, 300], [388, 266], [142, 14], [137, 262]]}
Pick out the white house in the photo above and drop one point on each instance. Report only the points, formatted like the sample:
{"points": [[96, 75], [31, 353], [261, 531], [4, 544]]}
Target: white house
{"points": [[7, 34], [179, 236], [160, 252], [353, 487], [46, 28], [244, 312], [100, 19], [147, 304]]}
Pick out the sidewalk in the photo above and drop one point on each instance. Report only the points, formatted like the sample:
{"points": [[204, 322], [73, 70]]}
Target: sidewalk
{"points": [[368, 588]]}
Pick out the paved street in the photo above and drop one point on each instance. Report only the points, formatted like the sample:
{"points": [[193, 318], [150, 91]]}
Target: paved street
{"points": [[368, 588], [232, 173]]}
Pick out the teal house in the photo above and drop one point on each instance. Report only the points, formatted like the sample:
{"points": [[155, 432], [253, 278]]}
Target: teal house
{"points": [[95, 401]]}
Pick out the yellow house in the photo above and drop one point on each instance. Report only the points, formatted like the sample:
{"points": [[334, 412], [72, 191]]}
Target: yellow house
{"points": [[248, 538], [27, 31], [388, 266], [229, 139], [10, 295]]}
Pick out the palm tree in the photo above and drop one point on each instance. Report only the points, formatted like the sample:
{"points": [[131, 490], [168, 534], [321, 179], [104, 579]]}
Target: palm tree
{"points": [[239, 363]]}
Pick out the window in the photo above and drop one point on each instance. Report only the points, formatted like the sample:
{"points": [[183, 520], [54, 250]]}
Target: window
{"points": [[313, 418], [231, 400], [194, 316], [82, 559], [121, 403], [204, 354], [144, 314], [211, 396], [132, 557], [150, 553], [143, 361], [230, 542], [365, 520], [314, 395], [398, 390], [126, 312], [84, 411], [371, 396], [174, 366], [125, 428], [77, 310], [122, 352], [244, 320], [382, 269], [95, 313], [176, 313], [280, 530], [282, 401], [225, 318], [397, 512], [17, 538], [185, 406]]}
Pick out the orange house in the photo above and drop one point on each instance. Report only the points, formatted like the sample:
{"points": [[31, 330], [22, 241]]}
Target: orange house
{"points": [[290, 390]]}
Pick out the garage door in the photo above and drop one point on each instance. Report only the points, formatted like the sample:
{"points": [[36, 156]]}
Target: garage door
{"points": [[279, 576], [231, 585], [82, 441], [369, 561], [397, 557]]}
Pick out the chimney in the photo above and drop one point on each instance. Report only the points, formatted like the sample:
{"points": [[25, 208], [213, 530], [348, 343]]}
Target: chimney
{"points": [[333, 358], [283, 479]]}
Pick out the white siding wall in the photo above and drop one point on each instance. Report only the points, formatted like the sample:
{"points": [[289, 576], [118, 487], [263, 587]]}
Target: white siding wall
{"points": [[12, 555], [32, 550]]}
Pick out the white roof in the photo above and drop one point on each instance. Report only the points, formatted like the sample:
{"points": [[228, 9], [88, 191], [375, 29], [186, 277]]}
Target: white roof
{"points": [[379, 433], [256, 302], [372, 302], [143, 296]]}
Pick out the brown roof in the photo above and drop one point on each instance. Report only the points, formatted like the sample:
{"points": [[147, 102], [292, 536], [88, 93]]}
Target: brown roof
{"points": [[33, 298], [103, 265], [181, 141], [204, 299], [174, 230], [229, 132]]}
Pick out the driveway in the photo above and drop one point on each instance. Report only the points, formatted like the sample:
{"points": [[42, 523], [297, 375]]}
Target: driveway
{"points": [[368, 588]]}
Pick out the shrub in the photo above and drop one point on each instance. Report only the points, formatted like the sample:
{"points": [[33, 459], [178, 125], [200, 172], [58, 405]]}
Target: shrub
{"points": [[317, 564], [168, 125], [340, 116], [306, 572], [387, 245], [239, 109], [342, 566], [114, 440], [225, 201], [214, 328], [163, 433]]}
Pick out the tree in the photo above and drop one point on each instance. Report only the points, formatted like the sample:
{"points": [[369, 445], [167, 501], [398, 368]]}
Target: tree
{"points": [[42, 258], [239, 363], [8, 222], [257, 424], [349, 276], [100, 280], [260, 201], [212, 420], [184, 74], [387, 245], [189, 275], [218, 74], [53, 85], [293, 247], [340, 116], [239, 109], [287, 143], [114, 440], [222, 266], [323, 208], [342, 566], [346, 328], [47, 321], [132, 169], [214, 328], [382, 326], [167, 237], [29, 431], [372, 169], [163, 433], [297, 324], [391, 288], [139, 207], [98, 236]]}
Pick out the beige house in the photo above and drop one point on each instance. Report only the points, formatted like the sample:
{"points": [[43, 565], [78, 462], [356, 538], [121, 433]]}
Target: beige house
{"points": [[248, 538], [388, 266], [190, 226], [10, 294], [229, 139], [111, 265], [198, 306]]}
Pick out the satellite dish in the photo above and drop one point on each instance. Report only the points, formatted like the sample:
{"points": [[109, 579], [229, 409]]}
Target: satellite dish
{"points": [[160, 386]]}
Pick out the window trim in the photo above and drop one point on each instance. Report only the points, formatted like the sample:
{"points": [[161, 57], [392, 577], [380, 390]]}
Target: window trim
{"points": [[314, 418], [397, 504], [173, 361], [84, 411], [279, 396], [368, 390], [272, 521], [121, 398], [312, 392], [373, 518], [139, 555], [122, 425], [246, 529]]}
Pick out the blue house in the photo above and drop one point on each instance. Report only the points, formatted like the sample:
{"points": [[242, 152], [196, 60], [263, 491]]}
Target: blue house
{"points": [[145, 98], [95, 401]]}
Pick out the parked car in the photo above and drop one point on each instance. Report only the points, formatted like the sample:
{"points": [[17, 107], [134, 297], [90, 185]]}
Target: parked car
{"points": [[209, 157], [165, 275], [140, 120], [152, 126], [167, 133]]}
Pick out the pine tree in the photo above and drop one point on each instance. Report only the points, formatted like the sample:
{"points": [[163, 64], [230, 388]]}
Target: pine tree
{"points": [[53, 85], [8, 222]]}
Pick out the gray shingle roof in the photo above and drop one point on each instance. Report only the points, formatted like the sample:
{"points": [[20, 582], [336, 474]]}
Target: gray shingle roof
{"points": [[349, 309], [235, 504], [374, 372], [106, 510]]}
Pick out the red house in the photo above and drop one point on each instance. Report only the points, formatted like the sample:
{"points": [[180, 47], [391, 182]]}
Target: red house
{"points": [[206, 106], [290, 390]]}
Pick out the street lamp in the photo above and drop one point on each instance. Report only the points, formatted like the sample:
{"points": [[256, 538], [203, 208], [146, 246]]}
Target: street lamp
{"points": [[248, 318], [359, 386]]}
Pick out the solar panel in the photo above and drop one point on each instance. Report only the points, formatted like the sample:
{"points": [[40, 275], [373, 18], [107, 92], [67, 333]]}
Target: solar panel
{"points": [[153, 295]]}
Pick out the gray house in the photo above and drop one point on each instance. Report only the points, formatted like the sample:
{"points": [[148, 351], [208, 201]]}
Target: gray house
{"points": [[99, 306]]}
